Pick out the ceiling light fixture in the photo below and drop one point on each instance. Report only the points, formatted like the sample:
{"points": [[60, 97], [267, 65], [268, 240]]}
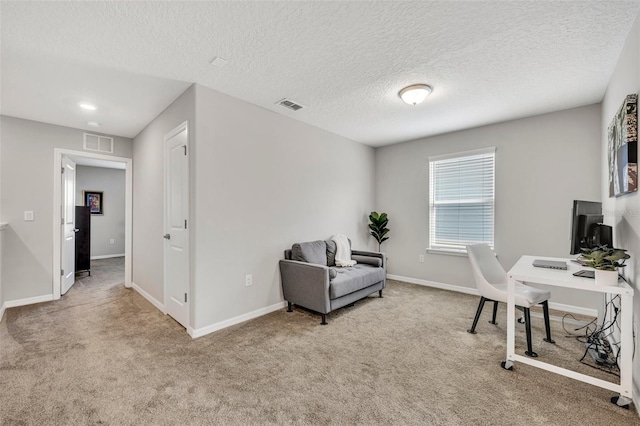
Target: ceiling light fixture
{"points": [[93, 123], [415, 93], [88, 107]]}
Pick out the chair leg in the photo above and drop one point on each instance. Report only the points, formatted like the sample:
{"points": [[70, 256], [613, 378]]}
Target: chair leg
{"points": [[380, 293], [527, 322], [324, 319], [289, 307], [472, 330], [547, 326], [495, 311]]}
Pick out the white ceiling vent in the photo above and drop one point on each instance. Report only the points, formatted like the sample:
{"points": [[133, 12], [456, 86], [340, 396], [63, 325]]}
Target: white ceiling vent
{"points": [[98, 143], [289, 104]]}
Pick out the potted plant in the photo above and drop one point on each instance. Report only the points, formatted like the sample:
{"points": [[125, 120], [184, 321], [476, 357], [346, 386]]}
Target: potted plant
{"points": [[606, 262], [378, 227]]}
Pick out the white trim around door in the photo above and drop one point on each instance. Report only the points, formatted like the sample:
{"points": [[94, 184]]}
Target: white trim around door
{"points": [[58, 153]]}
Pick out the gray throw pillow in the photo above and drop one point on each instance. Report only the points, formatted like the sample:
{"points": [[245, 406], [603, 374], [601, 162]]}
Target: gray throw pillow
{"points": [[368, 260], [331, 253], [332, 273], [311, 252]]}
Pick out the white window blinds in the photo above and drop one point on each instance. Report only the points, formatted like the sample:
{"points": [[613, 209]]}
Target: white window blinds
{"points": [[461, 200]]}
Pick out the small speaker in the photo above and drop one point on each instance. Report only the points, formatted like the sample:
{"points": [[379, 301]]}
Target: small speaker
{"points": [[602, 235]]}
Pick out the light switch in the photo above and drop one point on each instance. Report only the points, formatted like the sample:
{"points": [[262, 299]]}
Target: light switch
{"points": [[28, 216]]}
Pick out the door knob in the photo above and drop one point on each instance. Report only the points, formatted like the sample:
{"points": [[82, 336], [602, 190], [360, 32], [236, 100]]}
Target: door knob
{"points": [[167, 236], [76, 230]]}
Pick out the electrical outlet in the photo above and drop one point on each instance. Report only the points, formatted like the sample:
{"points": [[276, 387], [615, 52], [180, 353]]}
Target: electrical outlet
{"points": [[248, 280], [28, 216], [421, 258], [112, 241]]}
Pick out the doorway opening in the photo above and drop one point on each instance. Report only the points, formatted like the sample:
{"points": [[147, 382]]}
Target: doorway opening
{"points": [[65, 210]]}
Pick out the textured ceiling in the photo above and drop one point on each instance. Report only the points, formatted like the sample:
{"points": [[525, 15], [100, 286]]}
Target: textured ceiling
{"points": [[487, 61]]}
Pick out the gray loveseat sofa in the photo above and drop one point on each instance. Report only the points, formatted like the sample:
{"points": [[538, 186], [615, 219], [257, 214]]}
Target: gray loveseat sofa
{"points": [[310, 278]]}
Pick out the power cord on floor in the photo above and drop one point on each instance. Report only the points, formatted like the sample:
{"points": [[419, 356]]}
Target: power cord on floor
{"points": [[596, 339]]}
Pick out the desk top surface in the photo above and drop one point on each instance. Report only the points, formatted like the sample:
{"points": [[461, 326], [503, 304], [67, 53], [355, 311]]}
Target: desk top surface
{"points": [[524, 271]]}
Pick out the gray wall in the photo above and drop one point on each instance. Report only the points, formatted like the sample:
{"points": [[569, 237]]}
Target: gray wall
{"points": [[27, 184], [110, 225], [264, 181], [542, 164], [148, 193], [623, 212], [259, 183], [1, 232]]}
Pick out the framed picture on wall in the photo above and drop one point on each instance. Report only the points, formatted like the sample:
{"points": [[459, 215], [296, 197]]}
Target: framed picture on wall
{"points": [[623, 148], [94, 200]]}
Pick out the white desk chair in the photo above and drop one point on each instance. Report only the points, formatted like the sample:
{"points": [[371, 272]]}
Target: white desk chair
{"points": [[491, 281]]}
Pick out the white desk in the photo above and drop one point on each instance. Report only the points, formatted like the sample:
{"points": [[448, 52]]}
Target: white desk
{"points": [[523, 271]]}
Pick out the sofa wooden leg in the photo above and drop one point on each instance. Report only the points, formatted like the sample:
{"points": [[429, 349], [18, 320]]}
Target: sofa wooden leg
{"points": [[289, 307], [380, 293], [324, 319]]}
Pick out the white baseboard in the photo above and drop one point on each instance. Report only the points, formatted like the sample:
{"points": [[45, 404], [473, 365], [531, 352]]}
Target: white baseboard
{"points": [[199, 332], [149, 297], [574, 309], [442, 286], [106, 256], [474, 291], [28, 301]]}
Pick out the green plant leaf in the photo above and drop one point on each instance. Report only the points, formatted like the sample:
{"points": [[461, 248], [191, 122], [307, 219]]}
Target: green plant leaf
{"points": [[604, 258], [377, 226]]}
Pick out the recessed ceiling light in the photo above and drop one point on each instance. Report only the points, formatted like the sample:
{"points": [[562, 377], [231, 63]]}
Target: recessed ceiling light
{"points": [[219, 62], [415, 93], [87, 106], [93, 123]]}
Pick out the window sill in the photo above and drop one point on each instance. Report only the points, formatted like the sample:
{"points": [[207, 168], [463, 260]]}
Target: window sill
{"points": [[448, 252]]}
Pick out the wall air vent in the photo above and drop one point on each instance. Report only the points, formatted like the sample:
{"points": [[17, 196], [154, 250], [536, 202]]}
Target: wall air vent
{"points": [[289, 104], [98, 143]]}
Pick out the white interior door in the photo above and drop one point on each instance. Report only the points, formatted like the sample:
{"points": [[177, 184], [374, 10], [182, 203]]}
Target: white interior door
{"points": [[68, 248], [176, 252]]}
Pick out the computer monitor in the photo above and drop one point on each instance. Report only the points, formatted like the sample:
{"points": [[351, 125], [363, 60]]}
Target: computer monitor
{"points": [[587, 229]]}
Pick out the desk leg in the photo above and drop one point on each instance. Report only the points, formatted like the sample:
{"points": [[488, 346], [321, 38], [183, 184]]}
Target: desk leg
{"points": [[626, 351], [511, 323]]}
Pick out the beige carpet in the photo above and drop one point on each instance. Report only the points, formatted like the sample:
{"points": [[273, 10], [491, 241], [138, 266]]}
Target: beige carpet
{"points": [[104, 355]]}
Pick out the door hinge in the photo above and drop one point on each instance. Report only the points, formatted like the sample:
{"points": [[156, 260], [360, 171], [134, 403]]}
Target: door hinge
{"points": [[62, 221], [62, 272], [185, 298], [185, 149], [62, 170], [185, 224]]}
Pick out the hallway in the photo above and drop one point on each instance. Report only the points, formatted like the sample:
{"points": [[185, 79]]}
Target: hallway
{"points": [[105, 274]]}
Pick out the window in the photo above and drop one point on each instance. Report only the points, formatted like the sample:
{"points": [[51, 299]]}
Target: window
{"points": [[461, 200]]}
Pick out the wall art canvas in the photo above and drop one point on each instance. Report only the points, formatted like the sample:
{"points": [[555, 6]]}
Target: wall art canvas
{"points": [[623, 148], [94, 200]]}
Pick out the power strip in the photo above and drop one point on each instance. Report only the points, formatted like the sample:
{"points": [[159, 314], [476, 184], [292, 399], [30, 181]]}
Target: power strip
{"points": [[599, 357]]}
